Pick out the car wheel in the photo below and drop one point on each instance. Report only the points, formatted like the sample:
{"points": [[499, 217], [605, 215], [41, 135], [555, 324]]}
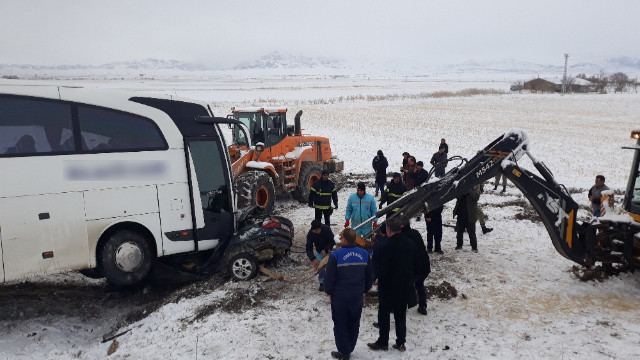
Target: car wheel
{"points": [[125, 258], [243, 267]]}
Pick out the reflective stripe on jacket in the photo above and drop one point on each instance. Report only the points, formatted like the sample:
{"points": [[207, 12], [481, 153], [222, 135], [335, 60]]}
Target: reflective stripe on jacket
{"points": [[321, 194]]}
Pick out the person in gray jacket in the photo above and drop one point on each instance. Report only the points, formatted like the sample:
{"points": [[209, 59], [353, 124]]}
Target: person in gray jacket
{"points": [[595, 195]]}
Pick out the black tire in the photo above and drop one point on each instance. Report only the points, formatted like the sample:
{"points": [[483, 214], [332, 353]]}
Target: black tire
{"points": [[242, 267], [255, 188], [310, 172], [125, 258], [92, 273]]}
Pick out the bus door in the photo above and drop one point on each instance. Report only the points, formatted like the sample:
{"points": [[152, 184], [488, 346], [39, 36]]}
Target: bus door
{"points": [[212, 190]]}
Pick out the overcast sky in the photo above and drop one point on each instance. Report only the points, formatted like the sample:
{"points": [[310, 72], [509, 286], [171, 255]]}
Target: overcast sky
{"points": [[222, 33]]}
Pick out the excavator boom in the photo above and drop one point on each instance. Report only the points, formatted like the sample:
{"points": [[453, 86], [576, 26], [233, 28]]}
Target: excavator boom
{"points": [[551, 200]]}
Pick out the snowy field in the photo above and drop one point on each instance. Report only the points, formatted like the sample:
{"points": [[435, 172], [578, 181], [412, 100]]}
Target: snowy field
{"points": [[516, 299]]}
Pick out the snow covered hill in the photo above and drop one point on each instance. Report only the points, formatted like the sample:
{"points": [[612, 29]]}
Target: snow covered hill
{"points": [[279, 64]]}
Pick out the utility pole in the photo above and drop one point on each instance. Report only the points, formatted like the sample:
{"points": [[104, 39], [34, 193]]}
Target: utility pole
{"points": [[564, 77]]}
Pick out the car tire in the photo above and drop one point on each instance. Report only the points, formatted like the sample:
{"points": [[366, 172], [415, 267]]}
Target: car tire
{"points": [[255, 188], [310, 172], [125, 258], [243, 267]]}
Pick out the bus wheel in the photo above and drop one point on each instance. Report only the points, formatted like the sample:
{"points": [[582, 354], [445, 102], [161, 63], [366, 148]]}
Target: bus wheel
{"points": [[243, 267], [125, 258]]}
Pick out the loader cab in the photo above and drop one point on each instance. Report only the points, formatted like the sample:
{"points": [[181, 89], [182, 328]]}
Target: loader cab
{"points": [[632, 198], [266, 125]]}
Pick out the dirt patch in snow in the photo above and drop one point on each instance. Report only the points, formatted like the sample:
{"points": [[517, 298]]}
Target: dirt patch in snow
{"points": [[444, 291], [599, 273], [526, 212], [31, 300], [236, 301]]}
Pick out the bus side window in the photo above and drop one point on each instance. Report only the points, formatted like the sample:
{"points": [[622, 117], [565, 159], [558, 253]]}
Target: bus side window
{"points": [[108, 130], [34, 126]]}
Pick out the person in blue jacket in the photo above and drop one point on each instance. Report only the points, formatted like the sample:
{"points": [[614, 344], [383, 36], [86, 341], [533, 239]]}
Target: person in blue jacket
{"points": [[361, 207], [349, 277]]}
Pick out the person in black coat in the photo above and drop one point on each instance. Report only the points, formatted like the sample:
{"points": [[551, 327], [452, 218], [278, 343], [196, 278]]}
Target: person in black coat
{"points": [[433, 219], [439, 161], [422, 264], [443, 142], [321, 237], [395, 286], [420, 175], [321, 194], [467, 213], [380, 165]]}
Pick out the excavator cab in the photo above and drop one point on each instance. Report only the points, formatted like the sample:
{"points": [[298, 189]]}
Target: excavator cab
{"points": [[266, 125]]}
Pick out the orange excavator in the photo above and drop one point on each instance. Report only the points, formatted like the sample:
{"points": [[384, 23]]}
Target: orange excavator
{"points": [[275, 158]]}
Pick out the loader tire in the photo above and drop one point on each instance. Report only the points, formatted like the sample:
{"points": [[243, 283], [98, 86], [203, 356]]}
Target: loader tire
{"points": [[255, 188], [310, 172]]}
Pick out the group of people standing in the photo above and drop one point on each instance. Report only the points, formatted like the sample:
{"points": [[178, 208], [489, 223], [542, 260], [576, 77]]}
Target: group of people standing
{"points": [[399, 261]]}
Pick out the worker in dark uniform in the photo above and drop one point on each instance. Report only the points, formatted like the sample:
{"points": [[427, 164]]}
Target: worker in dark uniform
{"points": [[349, 277], [394, 191], [321, 237], [320, 196]]}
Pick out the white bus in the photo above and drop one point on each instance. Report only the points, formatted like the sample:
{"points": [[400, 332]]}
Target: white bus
{"points": [[111, 180]]}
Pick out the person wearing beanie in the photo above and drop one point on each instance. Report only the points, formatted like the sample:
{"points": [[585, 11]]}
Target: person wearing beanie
{"points": [[360, 208], [321, 237], [321, 194], [380, 165]]}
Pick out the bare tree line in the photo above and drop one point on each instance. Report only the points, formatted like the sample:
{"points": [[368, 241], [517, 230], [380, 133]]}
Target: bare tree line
{"points": [[617, 82]]}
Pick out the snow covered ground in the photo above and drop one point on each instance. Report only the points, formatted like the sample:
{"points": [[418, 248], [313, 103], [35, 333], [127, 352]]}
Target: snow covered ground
{"points": [[516, 298]]}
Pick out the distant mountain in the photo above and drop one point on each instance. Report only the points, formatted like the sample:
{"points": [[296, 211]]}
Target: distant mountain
{"points": [[154, 64], [513, 66], [280, 60], [128, 69], [281, 64]]}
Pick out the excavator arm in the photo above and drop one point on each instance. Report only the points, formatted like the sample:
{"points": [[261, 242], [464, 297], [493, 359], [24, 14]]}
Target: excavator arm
{"points": [[551, 200]]}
